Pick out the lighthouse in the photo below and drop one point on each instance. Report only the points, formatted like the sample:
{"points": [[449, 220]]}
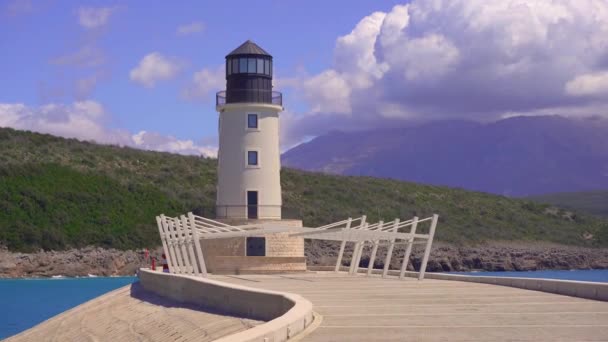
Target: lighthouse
{"points": [[249, 184], [249, 171]]}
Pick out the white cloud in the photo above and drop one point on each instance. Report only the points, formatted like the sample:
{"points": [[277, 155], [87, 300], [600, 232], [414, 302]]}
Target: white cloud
{"points": [[205, 83], [475, 59], [94, 17], [589, 85], [87, 120], [82, 120], [425, 59], [355, 52], [192, 28], [329, 92], [153, 68], [158, 142]]}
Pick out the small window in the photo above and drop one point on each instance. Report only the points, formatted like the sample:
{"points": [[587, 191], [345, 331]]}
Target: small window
{"points": [[235, 65], [256, 246], [252, 157], [267, 67], [251, 67], [242, 65], [252, 121], [260, 66], [229, 67]]}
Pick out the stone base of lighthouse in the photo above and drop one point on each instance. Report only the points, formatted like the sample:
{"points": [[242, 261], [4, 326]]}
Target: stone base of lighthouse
{"points": [[268, 254]]}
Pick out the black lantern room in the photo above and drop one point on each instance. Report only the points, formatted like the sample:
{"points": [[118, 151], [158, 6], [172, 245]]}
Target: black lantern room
{"points": [[249, 75]]}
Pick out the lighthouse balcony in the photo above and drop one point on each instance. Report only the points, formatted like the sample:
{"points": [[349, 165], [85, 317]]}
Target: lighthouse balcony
{"points": [[248, 96]]}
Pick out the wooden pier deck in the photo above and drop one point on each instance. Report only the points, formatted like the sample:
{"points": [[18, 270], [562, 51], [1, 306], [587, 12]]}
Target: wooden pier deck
{"points": [[373, 309]]}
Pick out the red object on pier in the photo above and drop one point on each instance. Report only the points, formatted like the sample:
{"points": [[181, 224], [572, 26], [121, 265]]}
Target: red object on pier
{"points": [[153, 264], [165, 263]]}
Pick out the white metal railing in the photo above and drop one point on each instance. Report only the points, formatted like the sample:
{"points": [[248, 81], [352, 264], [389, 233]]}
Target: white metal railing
{"points": [[181, 245], [181, 237]]}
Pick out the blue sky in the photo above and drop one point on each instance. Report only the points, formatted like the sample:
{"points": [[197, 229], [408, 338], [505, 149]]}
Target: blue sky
{"points": [[108, 71], [301, 35]]}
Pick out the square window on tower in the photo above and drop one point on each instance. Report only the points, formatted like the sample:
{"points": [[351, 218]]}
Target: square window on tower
{"points": [[252, 121], [252, 158]]}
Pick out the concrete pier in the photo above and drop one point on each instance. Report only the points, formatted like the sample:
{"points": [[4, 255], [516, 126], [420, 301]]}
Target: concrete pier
{"points": [[348, 308], [130, 314]]}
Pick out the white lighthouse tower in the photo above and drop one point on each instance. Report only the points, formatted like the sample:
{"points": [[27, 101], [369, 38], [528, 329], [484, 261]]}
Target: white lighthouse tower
{"points": [[249, 185], [249, 170]]}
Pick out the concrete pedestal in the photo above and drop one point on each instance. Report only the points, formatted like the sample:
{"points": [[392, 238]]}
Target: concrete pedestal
{"points": [[282, 252]]}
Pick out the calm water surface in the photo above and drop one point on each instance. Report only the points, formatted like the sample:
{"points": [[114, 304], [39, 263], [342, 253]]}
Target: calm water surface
{"points": [[27, 302]]}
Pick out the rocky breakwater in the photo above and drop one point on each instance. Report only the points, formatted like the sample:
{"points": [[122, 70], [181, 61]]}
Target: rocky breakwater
{"points": [[507, 256], [71, 263]]}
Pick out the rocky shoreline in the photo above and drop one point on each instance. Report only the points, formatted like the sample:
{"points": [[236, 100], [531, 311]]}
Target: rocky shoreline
{"points": [[508, 256], [88, 261], [96, 261]]}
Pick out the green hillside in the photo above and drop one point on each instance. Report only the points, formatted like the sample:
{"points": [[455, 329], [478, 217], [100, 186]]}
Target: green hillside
{"points": [[57, 193], [593, 202]]}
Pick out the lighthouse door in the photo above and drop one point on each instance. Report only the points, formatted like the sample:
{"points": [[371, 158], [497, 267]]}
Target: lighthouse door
{"points": [[252, 204]]}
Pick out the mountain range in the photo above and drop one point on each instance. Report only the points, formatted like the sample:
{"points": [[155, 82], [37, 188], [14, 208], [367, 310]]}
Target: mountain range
{"points": [[518, 156]]}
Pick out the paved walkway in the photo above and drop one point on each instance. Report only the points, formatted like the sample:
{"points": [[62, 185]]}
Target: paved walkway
{"points": [[130, 314], [375, 309]]}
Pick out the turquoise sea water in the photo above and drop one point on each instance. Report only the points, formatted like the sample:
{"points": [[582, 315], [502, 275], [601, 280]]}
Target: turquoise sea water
{"points": [[27, 302], [579, 275]]}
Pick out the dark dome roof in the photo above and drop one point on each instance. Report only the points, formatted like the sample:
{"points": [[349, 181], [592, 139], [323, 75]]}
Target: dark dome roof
{"points": [[249, 48]]}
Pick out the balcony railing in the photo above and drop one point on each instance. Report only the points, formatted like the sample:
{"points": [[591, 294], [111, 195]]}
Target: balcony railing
{"points": [[250, 211], [248, 96]]}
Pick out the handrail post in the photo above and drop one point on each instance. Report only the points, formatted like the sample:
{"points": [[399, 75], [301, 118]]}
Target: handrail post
{"points": [[171, 242], [389, 253], [427, 250], [356, 247], [372, 257], [163, 239], [342, 245], [189, 241], [182, 244], [359, 254], [408, 249], [197, 246]]}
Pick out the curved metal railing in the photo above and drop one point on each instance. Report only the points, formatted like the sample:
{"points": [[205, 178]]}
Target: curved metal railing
{"points": [[248, 96]]}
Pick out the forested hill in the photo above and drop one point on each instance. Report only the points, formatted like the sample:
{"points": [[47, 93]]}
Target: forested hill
{"points": [[57, 193], [593, 202]]}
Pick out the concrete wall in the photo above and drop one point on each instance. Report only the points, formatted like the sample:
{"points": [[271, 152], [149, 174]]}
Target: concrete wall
{"points": [[256, 265], [286, 314], [581, 289], [282, 245], [235, 177], [230, 246], [228, 256]]}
